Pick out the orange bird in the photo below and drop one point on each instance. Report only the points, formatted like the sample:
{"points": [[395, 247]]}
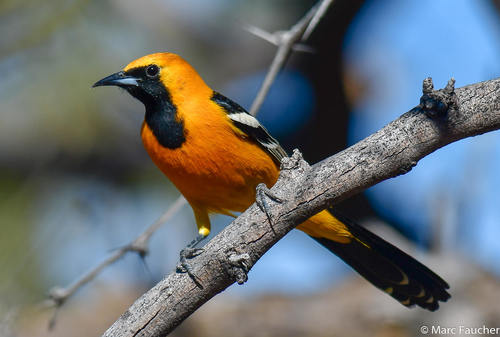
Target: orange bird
{"points": [[217, 154]]}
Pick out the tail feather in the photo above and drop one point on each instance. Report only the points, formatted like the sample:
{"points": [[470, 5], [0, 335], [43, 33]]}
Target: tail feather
{"points": [[389, 268]]}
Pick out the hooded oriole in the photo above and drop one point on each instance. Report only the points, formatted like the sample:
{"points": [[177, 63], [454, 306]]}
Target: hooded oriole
{"points": [[216, 154]]}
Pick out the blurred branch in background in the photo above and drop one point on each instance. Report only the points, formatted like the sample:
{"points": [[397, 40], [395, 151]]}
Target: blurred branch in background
{"points": [[318, 15], [140, 245], [285, 40]]}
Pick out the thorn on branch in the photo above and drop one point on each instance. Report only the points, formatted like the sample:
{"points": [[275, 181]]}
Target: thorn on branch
{"points": [[56, 298], [303, 48], [278, 38], [53, 319], [438, 103]]}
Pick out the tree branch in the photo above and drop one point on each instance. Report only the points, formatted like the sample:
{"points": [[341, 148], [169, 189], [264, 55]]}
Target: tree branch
{"points": [[443, 117]]}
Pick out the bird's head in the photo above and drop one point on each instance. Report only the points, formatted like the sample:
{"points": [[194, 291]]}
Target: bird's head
{"points": [[157, 77]]}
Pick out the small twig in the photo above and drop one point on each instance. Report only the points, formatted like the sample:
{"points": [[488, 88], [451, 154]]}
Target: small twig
{"points": [[264, 35], [285, 40], [274, 39], [59, 295], [323, 7]]}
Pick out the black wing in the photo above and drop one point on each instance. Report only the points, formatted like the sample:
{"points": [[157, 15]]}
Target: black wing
{"points": [[249, 125]]}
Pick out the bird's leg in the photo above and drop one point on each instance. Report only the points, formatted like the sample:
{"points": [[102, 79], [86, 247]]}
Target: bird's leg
{"points": [[189, 252], [262, 193]]}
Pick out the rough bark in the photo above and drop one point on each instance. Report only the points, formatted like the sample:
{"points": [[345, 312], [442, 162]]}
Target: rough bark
{"points": [[443, 117]]}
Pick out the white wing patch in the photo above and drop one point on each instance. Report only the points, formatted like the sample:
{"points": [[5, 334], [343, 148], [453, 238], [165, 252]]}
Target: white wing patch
{"points": [[250, 126], [252, 122], [244, 118], [269, 144]]}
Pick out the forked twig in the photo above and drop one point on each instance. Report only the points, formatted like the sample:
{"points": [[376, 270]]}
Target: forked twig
{"points": [[286, 41]]}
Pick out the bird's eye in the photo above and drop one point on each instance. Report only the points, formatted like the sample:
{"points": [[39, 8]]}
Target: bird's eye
{"points": [[152, 71]]}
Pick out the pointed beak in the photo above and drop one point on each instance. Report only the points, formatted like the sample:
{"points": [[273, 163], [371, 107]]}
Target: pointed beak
{"points": [[119, 79]]}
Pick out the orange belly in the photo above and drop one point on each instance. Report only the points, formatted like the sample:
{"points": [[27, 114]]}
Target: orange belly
{"points": [[221, 178]]}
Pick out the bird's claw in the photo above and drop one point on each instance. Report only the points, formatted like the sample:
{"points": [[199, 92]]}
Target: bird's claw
{"points": [[262, 193], [188, 253], [184, 267]]}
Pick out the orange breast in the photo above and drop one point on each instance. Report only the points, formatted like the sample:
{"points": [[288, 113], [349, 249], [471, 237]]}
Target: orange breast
{"points": [[215, 167]]}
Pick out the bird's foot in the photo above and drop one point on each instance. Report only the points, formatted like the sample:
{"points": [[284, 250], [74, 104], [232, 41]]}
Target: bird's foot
{"points": [[263, 193], [188, 253]]}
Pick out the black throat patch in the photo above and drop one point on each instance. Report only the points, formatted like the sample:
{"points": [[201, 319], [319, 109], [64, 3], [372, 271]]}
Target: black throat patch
{"points": [[161, 119], [161, 113]]}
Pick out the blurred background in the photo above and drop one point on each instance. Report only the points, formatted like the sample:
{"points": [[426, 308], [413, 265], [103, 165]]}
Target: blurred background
{"points": [[75, 182]]}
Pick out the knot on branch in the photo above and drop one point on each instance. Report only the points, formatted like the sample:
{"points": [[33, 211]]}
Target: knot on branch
{"points": [[407, 167], [293, 163], [140, 246], [240, 265], [438, 103], [58, 295]]}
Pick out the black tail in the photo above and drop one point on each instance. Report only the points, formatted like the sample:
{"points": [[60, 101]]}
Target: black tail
{"points": [[390, 269]]}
